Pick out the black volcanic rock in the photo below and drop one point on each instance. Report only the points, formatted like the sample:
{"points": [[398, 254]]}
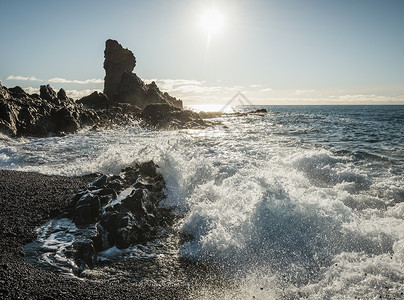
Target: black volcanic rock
{"points": [[86, 256], [117, 62], [62, 95], [47, 93], [18, 92], [87, 209], [4, 92], [8, 118], [153, 113], [122, 85], [29, 200], [125, 96], [95, 99], [48, 114], [131, 220], [167, 116], [259, 111], [65, 119], [52, 113]]}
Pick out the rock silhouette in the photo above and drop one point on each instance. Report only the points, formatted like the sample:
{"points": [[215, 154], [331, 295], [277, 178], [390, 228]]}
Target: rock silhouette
{"points": [[121, 85], [125, 97], [117, 61], [52, 113], [39, 115]]}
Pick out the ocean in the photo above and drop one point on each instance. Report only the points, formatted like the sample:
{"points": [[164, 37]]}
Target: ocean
{"points": [[301, 202]]}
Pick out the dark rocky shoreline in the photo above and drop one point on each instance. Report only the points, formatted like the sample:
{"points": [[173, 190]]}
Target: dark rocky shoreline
{"points": [[29, 200], [126, 98]]}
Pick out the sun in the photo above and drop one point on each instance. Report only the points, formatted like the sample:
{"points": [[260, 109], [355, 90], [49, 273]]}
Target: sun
{"points": [[211, 21]]}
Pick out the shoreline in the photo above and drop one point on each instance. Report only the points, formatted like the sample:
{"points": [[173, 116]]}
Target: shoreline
{"points": [[29, 200]]}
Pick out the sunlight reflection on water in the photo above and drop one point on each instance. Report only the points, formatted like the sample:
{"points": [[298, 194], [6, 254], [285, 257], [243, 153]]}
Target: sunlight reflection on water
{"points": [[211, 108]]}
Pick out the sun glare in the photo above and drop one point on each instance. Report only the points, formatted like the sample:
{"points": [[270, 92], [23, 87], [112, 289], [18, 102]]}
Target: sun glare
{"points": [[211, 21]]}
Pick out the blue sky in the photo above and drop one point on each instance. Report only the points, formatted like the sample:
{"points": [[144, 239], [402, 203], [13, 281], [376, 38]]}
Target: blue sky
{"points": [[275, 52]]}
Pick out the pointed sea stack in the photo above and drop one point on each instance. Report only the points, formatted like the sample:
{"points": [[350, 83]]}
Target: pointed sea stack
{"points": [[117, 62], [121, 85]]}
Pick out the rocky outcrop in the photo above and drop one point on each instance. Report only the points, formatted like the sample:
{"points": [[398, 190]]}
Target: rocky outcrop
{"points": [[52, 113], [125, 96], [121, 210], [23, 114], [41, 115], [121, 85], [117, 62], [95, 100], [47, 93], [167, 116]]}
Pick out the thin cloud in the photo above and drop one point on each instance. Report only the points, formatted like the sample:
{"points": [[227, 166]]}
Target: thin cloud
{"points": [[186, 88], [300, 92], [368, 99], [235, 88], [63, 80], [173, 84], [255, 86], [196, 89], [31, 90], [266, 90], [23, 78], [77, 94]]}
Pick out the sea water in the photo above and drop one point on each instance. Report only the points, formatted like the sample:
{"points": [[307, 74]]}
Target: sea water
{"points": [[304, 201]]}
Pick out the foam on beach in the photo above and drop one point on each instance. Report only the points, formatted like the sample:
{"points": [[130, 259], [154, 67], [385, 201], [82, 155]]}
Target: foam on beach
{"points": [[282, 209]]}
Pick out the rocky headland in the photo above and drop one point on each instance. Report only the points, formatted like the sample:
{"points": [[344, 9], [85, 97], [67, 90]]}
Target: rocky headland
{"points": [[125, 98]]}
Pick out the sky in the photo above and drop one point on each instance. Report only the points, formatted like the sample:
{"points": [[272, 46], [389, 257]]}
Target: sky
{"points": [[205, 52]]}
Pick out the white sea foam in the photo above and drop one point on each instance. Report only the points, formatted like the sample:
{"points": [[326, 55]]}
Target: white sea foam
{"points": [[275, 202], [55, 240]]}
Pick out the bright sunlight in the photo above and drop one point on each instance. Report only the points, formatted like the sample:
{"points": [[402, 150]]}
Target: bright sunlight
{"points": [[211, 21]]}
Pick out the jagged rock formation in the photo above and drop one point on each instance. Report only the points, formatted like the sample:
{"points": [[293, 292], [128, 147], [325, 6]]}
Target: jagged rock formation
{"points": [[117, 220], [122, 85], [125, 96], [95, 100], [39, 115], [52, 113], [166, 116], [117, 62]]}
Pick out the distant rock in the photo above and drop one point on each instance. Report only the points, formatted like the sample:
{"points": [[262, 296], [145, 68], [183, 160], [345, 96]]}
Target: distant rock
{"points": [[122, 85], [259, 111], [210, 114]]}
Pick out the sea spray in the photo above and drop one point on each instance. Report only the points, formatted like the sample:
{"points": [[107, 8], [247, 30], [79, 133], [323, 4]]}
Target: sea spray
{"points": [[300, 202]]}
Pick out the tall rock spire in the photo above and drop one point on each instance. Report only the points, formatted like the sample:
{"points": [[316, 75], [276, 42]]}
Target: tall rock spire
{"points": [[117, 61], [121, 85]]}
